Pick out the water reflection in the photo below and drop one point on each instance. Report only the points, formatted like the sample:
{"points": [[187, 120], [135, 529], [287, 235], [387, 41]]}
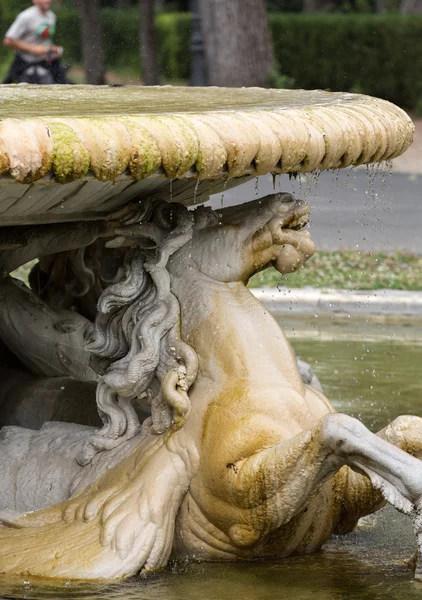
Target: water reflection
{"points": [[376, 381], [373, 381], [353, 569]]}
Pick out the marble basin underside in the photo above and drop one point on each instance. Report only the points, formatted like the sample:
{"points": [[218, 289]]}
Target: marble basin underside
{"points": [[78, 152]]}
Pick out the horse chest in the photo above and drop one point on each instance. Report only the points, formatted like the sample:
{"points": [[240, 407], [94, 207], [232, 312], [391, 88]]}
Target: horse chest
{"points": [[198, 538]]}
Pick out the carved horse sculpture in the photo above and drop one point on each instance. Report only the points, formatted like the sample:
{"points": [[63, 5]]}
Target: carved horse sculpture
{"points": [[239, 458]]}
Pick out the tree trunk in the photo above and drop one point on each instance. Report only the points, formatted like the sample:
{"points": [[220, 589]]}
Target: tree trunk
{"points": [[237, 42], [147, 43], [411, 7], [92, 40]]}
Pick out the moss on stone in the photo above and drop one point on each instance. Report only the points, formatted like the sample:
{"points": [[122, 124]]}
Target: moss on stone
{"points": [[70, 158], [145, 158]]}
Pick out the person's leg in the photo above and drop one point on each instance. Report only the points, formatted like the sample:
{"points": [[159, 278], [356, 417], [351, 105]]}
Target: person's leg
{"points": [[17, 67], [58, 72]]}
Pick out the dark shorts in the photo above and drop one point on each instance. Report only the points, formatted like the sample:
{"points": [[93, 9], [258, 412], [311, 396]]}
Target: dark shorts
{"points": [[19, 66]]}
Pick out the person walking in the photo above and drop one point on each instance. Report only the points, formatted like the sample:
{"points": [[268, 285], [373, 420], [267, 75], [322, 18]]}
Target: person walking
{"points": [[31, 36]]}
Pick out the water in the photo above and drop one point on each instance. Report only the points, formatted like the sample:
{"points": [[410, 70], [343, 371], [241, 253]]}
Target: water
{"points": [[375, 381], [33, 101]]}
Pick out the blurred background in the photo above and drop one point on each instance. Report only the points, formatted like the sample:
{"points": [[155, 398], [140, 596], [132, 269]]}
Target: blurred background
{"points": [[369, 46]]}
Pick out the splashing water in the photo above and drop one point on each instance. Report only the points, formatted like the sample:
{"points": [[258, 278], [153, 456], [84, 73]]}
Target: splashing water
{"points": [[335, 181], [372, 173], [195, 192], [348, 173], [224, 189], [312, 182]]}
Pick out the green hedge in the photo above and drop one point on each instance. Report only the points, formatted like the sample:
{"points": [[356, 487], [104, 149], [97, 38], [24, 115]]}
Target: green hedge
{"points": [[374, 54], [379, 55], [121, 45]]}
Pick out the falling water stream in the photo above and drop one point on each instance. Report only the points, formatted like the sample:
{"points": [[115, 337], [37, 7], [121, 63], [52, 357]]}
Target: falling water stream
{"points": [[350, 209]]}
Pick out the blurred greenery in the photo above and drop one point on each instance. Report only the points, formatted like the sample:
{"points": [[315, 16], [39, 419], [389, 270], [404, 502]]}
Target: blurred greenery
{"points": [[418, 108], [373, 54], [183, 5], [276, 79], [350, 270]]}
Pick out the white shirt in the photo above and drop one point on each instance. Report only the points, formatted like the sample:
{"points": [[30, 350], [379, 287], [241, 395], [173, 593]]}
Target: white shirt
{"points": [[33, 27]]}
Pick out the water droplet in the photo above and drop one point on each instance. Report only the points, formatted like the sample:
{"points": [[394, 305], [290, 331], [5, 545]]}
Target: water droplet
{"points": [[195, 192]]}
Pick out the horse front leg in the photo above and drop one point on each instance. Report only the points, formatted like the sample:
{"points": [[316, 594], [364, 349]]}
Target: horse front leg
{"points": [[284, 477]]}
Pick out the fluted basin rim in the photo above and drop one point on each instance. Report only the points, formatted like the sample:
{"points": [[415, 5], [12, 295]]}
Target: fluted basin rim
{"points": [[66, 133]]}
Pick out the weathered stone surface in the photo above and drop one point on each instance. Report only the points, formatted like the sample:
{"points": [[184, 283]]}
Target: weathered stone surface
{"points": [[211, 445], [107, 145]]}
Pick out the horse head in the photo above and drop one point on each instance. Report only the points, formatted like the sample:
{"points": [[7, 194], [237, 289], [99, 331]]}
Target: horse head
{"points": [[234, 243]]}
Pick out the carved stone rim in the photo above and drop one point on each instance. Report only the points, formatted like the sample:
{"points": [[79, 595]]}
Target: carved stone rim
{"points": [[276, 131]]}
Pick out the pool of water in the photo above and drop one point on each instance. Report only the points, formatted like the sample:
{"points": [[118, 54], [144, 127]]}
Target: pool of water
{"points": [[371, 374]]}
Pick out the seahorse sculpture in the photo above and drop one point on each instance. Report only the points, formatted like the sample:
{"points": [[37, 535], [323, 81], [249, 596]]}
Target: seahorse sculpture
{"points": [[239, 458]]}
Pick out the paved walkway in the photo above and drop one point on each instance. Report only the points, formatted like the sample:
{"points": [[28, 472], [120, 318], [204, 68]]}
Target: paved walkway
{"points": [[317, 302], [351, 210]]}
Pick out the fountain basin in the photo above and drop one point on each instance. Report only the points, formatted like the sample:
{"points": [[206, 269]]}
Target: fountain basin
{"points": [[79, 152]]}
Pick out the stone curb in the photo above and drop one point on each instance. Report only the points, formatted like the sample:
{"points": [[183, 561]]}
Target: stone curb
{"points": [[329, 301]]}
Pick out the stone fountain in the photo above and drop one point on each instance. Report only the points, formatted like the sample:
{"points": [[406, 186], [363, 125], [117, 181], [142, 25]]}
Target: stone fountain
{"points": [[151, 407]]}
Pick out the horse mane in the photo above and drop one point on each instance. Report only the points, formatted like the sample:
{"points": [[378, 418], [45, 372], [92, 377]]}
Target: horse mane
{"points": [[136, 339]]}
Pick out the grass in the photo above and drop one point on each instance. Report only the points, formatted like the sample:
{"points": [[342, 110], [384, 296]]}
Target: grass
{"points": [[350, 270]]}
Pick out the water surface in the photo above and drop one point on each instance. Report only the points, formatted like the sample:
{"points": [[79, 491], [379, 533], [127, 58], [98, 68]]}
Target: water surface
{"points": [[23, 101]]}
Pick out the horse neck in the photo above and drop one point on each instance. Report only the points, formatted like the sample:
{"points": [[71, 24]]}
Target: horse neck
{"points": [[232, 332]]}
